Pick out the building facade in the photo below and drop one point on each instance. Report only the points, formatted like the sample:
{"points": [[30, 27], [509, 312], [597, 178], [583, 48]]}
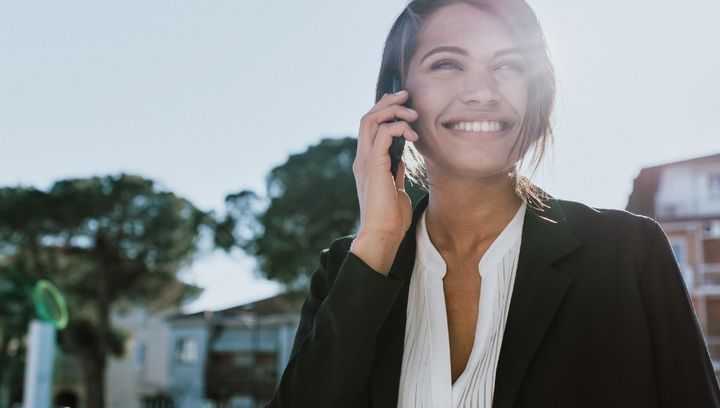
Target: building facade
{"points": [[140, 374], [232, 357], [132, 379], [684, 197]]}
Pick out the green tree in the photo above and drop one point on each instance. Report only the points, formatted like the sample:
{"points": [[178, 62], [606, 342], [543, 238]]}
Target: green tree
{"points": [[15, 312], [310, 200], [102, 241]]}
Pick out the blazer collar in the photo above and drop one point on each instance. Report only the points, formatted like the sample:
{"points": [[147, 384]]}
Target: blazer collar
{"points": [[538, 291]]}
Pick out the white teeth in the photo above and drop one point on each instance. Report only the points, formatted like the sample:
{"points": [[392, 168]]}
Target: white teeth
{"points": [[483, 126]]}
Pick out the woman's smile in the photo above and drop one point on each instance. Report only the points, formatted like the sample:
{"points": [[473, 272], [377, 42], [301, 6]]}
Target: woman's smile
{"points": [[485, 131], [480, 126]]}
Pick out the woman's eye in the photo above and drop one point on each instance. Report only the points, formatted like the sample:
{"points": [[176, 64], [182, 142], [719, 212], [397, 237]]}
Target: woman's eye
{"points": [[513, 66], [443, 65]]}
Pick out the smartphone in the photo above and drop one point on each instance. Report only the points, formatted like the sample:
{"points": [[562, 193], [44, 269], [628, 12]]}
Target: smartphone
{"points": [[398, 144]]}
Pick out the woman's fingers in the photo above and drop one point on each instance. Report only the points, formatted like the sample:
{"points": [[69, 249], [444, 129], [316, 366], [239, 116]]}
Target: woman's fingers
{"points": [[384, 137], [373, 119], [385, 110], [389, 99], [384, 206]]}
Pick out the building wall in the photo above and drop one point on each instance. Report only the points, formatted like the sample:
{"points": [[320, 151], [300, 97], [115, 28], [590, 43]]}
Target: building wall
{"points": [[187, 371], [692, 191], [709, 203], [248, 355], [686, 241], [686, 191], [677, 193], [143, 370]]}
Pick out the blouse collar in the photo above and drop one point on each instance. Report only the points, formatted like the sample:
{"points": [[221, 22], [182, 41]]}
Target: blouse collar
{"points": [[435, 264]]}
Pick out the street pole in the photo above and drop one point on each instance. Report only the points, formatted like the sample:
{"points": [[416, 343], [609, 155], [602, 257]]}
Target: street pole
{"points": [[39, 365]]}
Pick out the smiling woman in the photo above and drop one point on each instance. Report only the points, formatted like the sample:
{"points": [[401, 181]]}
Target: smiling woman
{"points": [[489, 292], [493, 47]]}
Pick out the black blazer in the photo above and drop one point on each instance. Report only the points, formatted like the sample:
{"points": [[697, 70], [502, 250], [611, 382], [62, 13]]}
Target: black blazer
{"points": [[599, 317]]}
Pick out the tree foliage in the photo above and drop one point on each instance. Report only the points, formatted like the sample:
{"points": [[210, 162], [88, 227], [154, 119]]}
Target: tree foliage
{"points": [[101, 240], [15, 312], [310, 200]]}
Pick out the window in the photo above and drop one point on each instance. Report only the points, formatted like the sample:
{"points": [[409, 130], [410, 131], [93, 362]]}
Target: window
{"points": [[678, 248], [186, 350], [711, 250], [711, 229], [713, 317], [714, 185], [140, 351]]}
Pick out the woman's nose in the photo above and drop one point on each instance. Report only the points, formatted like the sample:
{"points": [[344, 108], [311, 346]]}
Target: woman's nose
{"points": [[481, 91]]}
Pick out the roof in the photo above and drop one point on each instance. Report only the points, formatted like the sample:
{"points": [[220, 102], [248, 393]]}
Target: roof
{"points": [[645, 185], [289, 302]]}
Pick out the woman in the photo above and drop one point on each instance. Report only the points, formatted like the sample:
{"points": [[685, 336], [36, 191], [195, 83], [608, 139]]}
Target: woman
{"points": [[489, 292]]}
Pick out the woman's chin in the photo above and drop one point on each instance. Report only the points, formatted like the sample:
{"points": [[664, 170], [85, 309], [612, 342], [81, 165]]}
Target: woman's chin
{"points": [[473, 171]]}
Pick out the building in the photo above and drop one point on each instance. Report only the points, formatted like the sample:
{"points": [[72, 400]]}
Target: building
{"points": [[140, 374], [684, 197], [233, 356], [132, 379]]}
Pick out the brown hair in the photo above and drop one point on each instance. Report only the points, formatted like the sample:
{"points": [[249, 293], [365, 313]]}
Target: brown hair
{"points": [[536, 127]]}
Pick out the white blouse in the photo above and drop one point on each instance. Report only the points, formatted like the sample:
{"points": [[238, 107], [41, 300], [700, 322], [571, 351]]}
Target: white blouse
{"points": [[425, 379]]}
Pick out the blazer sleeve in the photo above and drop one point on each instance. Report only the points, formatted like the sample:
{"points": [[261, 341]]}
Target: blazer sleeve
{"points": [[334, 346], [684, 373]]}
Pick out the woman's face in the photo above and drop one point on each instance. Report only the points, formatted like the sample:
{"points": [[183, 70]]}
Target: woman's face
{"points": [[467, 72]]}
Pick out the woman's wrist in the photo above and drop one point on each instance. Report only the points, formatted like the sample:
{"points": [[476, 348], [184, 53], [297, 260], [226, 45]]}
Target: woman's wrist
{"points": [[378, 251]]}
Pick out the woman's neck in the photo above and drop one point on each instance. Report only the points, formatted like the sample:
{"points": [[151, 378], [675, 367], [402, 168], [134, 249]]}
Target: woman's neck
{"points": [[462, 216]]}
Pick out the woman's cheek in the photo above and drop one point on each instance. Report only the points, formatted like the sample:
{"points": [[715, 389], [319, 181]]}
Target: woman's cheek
{"points": [[424, 137], [516, 93]]}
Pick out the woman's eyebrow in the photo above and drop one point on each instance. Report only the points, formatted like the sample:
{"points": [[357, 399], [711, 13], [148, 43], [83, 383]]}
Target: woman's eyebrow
{"points": [[506, 51], [444, 48], [461, 51]]}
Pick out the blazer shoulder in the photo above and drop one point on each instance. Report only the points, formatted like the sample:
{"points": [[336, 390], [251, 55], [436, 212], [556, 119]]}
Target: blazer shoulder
{"points": [[580, 213], [593, 224]]}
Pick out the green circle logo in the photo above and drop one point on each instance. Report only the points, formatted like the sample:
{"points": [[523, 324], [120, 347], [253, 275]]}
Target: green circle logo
{"points": [[50, 304]]}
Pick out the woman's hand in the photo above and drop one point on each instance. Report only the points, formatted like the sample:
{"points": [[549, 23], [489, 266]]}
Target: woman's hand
{"points": [[385, 207]]}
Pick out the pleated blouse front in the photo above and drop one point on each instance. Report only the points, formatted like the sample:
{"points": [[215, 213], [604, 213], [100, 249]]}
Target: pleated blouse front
{"points": [[425, 379]]}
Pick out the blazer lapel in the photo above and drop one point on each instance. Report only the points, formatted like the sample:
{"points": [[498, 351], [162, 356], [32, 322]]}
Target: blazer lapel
{"points": [[539, 289]]}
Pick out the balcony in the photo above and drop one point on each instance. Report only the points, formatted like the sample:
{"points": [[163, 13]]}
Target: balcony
{"points": [[241, 373], [228, 381]]}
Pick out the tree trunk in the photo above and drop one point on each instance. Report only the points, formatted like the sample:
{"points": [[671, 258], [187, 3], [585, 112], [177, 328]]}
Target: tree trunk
{"points": [[94, 373], [95, 362]]}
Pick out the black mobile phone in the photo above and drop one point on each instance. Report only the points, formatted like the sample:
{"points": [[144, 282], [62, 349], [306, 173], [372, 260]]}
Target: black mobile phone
{"points": [[398, 144]]}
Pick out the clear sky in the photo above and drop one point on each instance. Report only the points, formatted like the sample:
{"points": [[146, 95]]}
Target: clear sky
{"points": [[207, 96]]}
